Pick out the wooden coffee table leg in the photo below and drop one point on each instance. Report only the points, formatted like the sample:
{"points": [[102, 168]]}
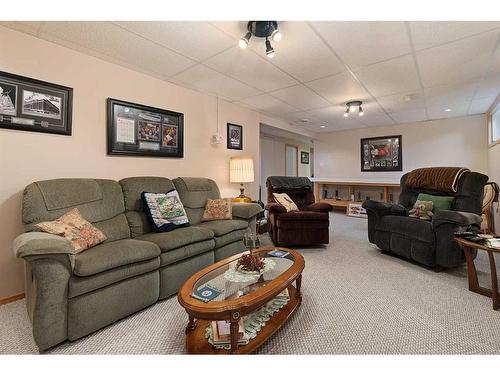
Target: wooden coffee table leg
{"points": [[298, 283], [494, 281], [191, 325], [471, 270], [234, 336]]}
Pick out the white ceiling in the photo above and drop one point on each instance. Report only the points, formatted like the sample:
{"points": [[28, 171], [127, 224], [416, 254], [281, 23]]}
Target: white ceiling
{"points": [[318, 66]]}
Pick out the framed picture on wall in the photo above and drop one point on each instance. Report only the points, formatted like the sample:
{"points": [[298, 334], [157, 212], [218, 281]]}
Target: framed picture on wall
{"points": [[139, 130], [234, 136], [304, 157], [33, 105], [381, 154]]}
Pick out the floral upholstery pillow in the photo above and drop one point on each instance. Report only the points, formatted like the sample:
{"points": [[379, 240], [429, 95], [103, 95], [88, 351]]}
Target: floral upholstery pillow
{"points": [[72, 226], [165, 210], [218, 209], [285, 201]]}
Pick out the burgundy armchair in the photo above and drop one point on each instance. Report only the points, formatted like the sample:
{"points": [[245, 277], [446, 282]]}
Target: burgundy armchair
{"points": [[309, 225]]}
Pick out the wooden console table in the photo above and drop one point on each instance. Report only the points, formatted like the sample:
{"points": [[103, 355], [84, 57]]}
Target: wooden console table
{"points": [[351, 185]]}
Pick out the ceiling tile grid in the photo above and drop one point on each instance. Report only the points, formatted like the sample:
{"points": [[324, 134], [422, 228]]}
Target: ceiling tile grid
{"points": [[402, 71]]}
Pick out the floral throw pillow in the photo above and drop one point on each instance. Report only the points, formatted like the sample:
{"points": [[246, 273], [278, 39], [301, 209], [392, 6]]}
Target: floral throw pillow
{"points": [[74, 228], [165, 210], [218, 209], [285, 201]]}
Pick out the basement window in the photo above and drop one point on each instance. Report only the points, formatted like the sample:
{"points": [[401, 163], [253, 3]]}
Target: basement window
{"points": [[495, 124]]}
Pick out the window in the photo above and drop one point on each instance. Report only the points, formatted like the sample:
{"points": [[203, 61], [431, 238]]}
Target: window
{"points": [[495, 124]]}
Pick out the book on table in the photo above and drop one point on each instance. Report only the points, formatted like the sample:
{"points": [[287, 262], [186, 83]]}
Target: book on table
{"points": [[221, 332]]}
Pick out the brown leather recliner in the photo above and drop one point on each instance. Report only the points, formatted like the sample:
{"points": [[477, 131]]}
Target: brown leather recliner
{"points": [[309, 225]]}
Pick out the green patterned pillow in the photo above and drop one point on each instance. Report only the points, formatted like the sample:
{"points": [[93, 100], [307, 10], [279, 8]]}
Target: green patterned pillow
{"points": [[165, 210], [440, 202]]}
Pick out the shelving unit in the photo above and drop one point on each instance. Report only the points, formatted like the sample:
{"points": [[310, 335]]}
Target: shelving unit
{"points": [[383, 189]]}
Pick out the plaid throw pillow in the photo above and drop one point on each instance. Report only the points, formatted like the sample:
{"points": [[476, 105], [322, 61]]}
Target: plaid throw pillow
{"points": [[218, 209], [74, 228], [165, 210]]}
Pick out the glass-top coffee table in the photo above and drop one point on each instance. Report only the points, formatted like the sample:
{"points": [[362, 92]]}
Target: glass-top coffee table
{"points": [[243, 295]]}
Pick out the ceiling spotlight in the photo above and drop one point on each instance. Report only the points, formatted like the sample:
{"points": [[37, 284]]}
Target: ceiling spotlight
{"points": [[322, 126], [262, 29], [243, 43], [269, 49], [447, 110], [353, 107]]}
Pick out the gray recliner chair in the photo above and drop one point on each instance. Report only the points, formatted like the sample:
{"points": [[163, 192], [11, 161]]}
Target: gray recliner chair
{"points": [[427, 242]]}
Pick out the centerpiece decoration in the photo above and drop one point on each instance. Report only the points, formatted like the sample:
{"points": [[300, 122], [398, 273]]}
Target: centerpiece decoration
{"points": [[250, 263]]}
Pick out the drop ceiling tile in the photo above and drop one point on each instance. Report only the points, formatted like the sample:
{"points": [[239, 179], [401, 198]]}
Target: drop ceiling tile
{"points": [[299, 116], [195, 39], [489, 86], [390, 77], [426, 34], [376, 120], [339, 89], [457, 109], [410, 100], [333, 118], [208, 80], [246, 66], [364, 43], [457, 62], [301, 97], [300, 53], [107, 39], [23, 26], [235, 29], [269, 104], [411, 115], [446, 96], [482, 105]]}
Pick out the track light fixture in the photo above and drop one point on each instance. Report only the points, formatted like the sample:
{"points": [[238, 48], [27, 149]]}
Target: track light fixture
{"points": [[353, 107], [262, 29]]}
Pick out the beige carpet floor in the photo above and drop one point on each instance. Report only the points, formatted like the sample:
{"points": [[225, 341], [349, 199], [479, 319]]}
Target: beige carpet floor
{"points": [[356, 301]]}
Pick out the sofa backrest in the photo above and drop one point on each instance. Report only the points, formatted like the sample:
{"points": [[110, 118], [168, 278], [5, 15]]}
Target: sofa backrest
{"points": [[194, 192], [468, 198], [299, 189], [134, 210], [99, 202]]}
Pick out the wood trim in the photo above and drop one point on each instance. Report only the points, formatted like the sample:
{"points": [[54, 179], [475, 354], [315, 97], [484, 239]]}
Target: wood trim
{"points": [[489, 115], [6, 300]]}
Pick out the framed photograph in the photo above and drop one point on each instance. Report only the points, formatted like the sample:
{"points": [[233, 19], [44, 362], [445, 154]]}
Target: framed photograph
{"points": [[139, 130], [381, 154], [304, 157], [33, 105], [356, 210], [234, 136]]}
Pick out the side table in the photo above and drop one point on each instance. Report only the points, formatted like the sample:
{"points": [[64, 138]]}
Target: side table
{"points": [[493, 293]]}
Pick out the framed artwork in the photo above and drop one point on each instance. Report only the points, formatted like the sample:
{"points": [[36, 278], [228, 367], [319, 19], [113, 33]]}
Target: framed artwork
{"points": [[304, 157], [234, 136], [139, 130], [33, 105], [356, 210], [381, 154]]}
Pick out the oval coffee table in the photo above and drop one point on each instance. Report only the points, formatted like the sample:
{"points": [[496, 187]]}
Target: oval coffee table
{"points": [[231, 306]]}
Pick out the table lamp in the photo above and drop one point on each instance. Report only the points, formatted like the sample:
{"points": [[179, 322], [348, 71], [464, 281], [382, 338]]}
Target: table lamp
{"points": [[241, 171]]}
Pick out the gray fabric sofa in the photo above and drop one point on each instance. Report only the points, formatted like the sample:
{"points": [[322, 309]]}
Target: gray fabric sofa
{"points": [[70, 295]]}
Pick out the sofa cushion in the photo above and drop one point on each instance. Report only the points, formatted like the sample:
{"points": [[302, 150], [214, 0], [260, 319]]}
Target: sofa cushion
{"points": [[222, 227], [165, 210], [408, 227], [303, 215], [177, 238], [185, 252], [81, 285], [114, 254], [218, 209]]}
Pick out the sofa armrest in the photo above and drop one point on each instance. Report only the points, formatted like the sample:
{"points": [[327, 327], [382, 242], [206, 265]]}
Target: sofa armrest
{"points": [[246, 210], [319, 207], [39, 244], [458, 218], [383, 209], [275, 208]]}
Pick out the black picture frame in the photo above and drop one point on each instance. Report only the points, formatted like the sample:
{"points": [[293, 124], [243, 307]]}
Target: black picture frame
{"points": [[30, 104], [304, 157], [140, 130], [234, 136], [382, 154]]}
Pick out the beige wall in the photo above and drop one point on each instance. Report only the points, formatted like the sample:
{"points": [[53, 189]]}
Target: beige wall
{"points": [[26, 157], [458, 141]]}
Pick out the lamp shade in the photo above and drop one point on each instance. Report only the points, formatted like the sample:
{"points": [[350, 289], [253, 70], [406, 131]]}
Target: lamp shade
{"points": [[241, 170]]}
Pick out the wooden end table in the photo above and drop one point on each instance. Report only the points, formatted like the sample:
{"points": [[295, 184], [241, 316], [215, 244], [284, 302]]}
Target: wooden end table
{"points": [[233, 308], [474, 286]]}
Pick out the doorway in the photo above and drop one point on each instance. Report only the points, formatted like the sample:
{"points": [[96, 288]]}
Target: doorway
{"points": [[291, 160]]}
